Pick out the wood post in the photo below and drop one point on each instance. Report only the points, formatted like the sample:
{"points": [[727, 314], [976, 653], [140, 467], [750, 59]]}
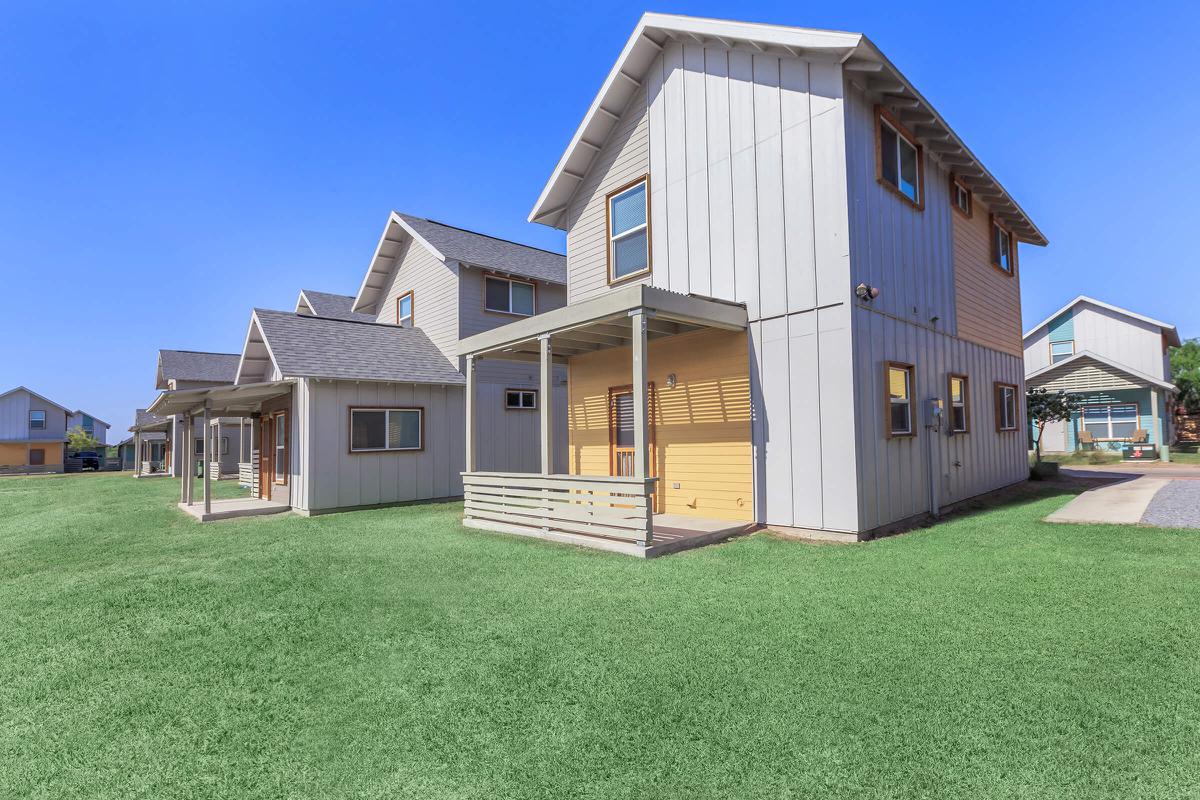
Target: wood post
{"points": [[471, 409], [189, 448], [207, 456], [546, 411], [641, 414], [1155, 437], [137, 453]]}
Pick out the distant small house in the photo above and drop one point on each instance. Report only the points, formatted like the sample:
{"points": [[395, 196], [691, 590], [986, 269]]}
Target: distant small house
{"points": [[32, 431], [92, 426], [1116, 362]]}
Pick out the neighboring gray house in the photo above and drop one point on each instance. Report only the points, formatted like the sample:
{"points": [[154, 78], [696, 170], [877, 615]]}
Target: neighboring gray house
{"points": [[781, 260], [191, 369], [93, 426], [32, 431], [358, 401], [1117, 363]]}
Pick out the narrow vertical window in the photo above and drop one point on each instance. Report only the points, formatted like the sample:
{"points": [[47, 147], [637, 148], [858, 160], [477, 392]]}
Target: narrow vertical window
{"points": [[960, 415], [1004, 253], [899, 160], [281, 440], [404, 310], [899, 398], [961, 196], [1006, 407], [628, 232]]}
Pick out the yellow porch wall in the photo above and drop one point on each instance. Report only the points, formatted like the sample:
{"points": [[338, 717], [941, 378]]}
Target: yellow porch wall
{"points": [[702, 426]]}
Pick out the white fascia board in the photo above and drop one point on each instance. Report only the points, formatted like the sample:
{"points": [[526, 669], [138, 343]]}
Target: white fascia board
{"points": [[398, 221]]}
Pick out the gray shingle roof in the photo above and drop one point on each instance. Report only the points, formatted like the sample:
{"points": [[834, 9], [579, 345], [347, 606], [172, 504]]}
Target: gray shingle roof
{"points": [[142, 418], [333, 306], [316, 347], [487, 251], [191, 365]]}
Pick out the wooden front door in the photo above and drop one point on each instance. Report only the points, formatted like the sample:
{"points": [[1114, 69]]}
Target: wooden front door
{"points": [[620, 433]]}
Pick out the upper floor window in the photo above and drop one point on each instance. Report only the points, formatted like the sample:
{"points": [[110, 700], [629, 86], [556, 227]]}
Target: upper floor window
{"points": [[899, 399], [628, 231], [899, 160], [1004, 249], [1061, 351], [507, 296], [37, 420], [960, 404], [89, 425], [961, 196], [404, 310], [1006, 407]]}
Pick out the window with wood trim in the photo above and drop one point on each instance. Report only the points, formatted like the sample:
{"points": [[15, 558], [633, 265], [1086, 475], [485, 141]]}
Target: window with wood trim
{"points": [[899, 159], [280, 440], [37, 420], [37, 457], [1061, 351], [1004, 248], [384, 430], [960, 404], [627, 223], [509, 296], [961, 197], [404, 310], [1006, 407], [899, 408], [520, 399]]}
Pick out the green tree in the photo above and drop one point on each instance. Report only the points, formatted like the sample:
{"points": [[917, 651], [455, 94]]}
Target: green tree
{"points": [[1185, 373], [78, 439], [1044, 407]]}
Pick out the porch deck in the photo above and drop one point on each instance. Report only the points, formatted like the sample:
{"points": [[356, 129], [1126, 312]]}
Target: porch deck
{"points": [[235, 507]]}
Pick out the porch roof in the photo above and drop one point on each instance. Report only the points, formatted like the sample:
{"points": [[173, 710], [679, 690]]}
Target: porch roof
{"points": [[1086, 371], [232, 401], [595, 324], [145, 421]]}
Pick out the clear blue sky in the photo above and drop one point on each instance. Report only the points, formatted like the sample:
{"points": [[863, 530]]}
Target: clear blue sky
{"points": [[167, 166]]}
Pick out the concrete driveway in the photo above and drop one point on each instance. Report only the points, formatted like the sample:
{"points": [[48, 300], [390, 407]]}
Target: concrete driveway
{"points": [[1162, 495]]}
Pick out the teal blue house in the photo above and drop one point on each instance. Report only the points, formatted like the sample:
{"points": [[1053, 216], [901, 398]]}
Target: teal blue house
{"points": [[1116, 362]]}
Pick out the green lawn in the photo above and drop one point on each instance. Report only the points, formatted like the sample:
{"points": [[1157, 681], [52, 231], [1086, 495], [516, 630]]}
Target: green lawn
{"points": [[393, 654]]}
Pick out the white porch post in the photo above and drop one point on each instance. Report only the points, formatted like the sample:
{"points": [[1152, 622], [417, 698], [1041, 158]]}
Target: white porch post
{"points": [[470, 409], [1156, 437], [253, 466], [641, 413], [207, 456], [217, 446], [546, 411], [186, 471], [137, 453], [180, 444]]}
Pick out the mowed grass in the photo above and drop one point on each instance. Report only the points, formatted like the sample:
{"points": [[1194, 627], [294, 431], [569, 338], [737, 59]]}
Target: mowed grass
{"points": [[392, 653]]}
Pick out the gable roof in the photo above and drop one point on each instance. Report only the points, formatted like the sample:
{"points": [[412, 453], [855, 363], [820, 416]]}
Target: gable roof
{"points": [[450, 244], [41, 397], [1067, 364], [332, 306], [196, 365], [854, 51], [1168, 329], [316, 347], [143, 418], [93, 416]]}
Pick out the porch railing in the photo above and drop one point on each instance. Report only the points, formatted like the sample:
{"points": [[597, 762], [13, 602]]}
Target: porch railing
{"points": [[594, 505], [245, 473]]}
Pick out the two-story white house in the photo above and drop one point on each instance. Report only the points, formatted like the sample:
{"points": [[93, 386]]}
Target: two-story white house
{"points": [[793, 300], [1117, 363]]}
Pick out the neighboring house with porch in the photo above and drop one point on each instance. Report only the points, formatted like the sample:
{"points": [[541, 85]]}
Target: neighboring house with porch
{"points": [[793, 300], [1117, 363], [33, 429], [362, 405], [194, 369]]}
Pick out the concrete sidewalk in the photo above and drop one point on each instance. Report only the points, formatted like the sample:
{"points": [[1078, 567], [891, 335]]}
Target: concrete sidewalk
{"points": [[1121, 503]]}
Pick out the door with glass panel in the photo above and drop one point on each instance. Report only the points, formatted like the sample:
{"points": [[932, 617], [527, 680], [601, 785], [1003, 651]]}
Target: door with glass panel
{"points": [[621, 441]]}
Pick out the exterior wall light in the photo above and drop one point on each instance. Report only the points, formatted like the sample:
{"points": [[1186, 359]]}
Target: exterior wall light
{"points": [[865, 292], [671, 381]]}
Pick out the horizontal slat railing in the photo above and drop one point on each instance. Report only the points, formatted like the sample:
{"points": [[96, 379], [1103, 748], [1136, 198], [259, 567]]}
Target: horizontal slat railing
{"points": [[612, 507], [245, 473]]}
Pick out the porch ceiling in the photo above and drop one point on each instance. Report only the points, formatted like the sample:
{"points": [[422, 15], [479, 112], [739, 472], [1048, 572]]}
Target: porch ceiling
{"points": [[231, 401], [603, 322]]}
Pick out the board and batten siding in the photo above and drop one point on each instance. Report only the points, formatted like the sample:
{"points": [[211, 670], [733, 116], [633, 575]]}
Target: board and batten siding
{"points": [[435, 295], [895, 473], [623, 158], [1127, 341], [333, 477], [987, 300], [702, 427], [14, 418]]}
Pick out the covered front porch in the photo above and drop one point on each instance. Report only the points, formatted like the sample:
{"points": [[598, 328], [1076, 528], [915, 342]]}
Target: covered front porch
{"points": [[217, 409], [634, 433], [151, 449]]}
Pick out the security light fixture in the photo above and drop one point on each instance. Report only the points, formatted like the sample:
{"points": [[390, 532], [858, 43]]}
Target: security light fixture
{"points": [[866, 293]]}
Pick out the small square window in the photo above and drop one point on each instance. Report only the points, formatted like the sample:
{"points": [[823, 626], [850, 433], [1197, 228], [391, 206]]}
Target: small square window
{"points": [[37, 457], [961, 196], [37, 420], [1061, 351], [521, 399]]}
